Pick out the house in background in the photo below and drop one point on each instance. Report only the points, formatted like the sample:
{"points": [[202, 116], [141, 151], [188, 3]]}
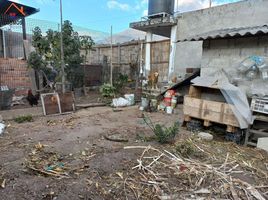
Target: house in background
{"points": [[231, 33]]}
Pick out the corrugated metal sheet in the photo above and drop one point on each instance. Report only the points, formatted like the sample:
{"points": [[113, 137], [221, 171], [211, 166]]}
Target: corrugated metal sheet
{"points": [[229, 33]]}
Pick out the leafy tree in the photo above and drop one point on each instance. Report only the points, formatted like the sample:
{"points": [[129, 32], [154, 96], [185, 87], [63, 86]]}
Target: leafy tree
{"points": [[48, 49]]}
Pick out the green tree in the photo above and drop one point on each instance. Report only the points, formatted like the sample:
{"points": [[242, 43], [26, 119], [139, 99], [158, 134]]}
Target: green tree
{"points": [[48, 48]]}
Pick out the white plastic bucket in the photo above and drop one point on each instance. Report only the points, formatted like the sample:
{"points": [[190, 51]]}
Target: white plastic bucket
{"points": [[169, 110]]}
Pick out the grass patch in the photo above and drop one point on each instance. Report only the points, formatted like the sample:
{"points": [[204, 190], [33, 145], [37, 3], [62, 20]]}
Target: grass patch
{"points": [[23, 119]]}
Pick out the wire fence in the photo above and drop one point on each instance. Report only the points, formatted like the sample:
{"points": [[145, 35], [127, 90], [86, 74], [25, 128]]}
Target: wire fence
{"points": [[16, 45]]}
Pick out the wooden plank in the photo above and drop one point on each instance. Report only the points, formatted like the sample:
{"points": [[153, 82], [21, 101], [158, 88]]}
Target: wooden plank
{"points": [[229, 117], [90, 105], [211, 111]]}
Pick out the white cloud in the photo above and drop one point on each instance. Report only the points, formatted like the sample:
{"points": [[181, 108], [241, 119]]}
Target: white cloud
{"points": [[113, 4]]}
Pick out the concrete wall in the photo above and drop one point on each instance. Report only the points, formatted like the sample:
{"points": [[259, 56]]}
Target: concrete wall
{"points": [[235, 15], [229, 53], [188, 55]]}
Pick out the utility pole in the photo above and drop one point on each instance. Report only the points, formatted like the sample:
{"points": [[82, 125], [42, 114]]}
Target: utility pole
{"points": [[111, 72], [62, 51], [210, 3]]}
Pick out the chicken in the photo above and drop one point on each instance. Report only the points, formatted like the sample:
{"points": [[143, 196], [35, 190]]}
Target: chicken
{"points": [[33, 99]]}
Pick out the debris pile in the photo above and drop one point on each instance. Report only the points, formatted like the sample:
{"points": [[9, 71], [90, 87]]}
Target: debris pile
{"points": [[165, 175], [46, 163]]}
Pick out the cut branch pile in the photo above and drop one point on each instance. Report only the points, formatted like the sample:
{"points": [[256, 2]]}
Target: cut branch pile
{"points": [[164, 175]]}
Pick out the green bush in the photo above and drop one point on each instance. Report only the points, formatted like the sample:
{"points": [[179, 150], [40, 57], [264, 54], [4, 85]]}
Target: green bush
{"points": [[107, 90], [163, 134]]}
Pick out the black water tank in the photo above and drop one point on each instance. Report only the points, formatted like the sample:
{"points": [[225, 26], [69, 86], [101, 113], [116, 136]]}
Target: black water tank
{"points": [[161, 6]]}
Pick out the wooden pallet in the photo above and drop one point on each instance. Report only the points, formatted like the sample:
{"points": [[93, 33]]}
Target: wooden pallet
{"points": [[210, 111]]}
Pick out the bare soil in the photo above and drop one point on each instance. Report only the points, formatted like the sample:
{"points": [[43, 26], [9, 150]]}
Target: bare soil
{"points": [[92, 164], [74, 137]]}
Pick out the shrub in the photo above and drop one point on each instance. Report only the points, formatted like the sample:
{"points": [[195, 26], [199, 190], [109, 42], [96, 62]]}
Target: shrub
{"points": [[107, 90], [163, 134]]}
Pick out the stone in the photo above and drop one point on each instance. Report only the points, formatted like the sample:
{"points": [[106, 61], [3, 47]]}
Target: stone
{"points": [[205, 136], [263, 143]]}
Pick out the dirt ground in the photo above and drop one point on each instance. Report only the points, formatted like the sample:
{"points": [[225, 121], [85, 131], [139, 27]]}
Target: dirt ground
{"points": [[90, 165]]}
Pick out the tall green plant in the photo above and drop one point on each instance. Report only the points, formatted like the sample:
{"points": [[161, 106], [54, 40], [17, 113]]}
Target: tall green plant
{"points": [[163, 134], [48, 47]]}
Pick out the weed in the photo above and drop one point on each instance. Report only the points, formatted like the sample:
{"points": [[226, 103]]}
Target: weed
{"points": [[163, 134], [25, 118], [186, 148]]}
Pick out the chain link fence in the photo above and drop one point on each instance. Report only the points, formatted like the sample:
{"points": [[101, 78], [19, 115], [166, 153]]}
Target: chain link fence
{"points": [[16, 47]]}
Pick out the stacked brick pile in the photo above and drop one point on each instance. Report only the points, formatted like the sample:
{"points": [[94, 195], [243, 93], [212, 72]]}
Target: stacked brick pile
{"points": [[15, 74]]}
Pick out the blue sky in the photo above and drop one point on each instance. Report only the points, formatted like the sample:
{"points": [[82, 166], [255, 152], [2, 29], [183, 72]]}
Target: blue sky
{"points": [[101, 14]]}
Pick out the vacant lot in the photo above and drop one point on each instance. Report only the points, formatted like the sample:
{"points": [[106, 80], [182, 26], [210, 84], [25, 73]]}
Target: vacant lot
{"points": [[70, 157]]}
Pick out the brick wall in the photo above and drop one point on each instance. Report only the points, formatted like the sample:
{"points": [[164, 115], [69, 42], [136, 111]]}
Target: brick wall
{"points": [[14, 73]]}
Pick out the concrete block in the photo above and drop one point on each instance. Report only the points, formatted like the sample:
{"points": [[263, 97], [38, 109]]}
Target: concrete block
{"points": [[263, 143]]}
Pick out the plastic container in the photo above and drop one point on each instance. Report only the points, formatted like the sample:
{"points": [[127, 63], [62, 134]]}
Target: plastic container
{"points": [[169, 94], [167, 101], [174, 102], [144, 102], [169, 110]]}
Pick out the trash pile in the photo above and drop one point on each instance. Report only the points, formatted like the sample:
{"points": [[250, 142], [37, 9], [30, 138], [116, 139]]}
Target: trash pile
{"points": [[168, 104], [252, 76], [46, 163], [128, 100]]}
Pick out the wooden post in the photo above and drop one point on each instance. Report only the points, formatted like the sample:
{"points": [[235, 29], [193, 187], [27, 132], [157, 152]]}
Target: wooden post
{"points": [[111, 73], [24, 35]]}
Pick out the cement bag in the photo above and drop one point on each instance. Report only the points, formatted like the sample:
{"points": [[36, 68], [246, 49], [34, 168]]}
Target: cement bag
{"points": [[130, 98]]}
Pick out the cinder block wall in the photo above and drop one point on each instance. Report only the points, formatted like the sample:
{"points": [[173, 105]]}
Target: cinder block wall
{"points": [[229, 53], [14, 73]]}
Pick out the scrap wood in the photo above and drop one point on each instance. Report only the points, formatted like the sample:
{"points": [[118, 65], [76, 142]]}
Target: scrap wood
{"points": [[154, 165], [49, 173], [90, 105]]}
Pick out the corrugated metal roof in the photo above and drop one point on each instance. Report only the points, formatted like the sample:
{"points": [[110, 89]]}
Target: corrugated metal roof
{"points": [[229, 33]]}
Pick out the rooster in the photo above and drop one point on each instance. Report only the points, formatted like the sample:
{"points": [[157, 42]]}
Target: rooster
{"points": [[33, 99]]}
